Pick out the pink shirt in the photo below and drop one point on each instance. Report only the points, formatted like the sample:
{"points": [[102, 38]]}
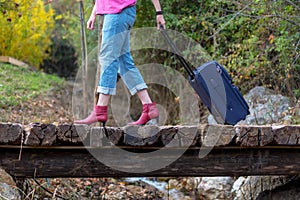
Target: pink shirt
{"points": [[112, 6]]}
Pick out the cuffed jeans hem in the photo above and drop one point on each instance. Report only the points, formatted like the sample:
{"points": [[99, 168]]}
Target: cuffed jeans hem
{"points": [[137, 88], [103, 90]]}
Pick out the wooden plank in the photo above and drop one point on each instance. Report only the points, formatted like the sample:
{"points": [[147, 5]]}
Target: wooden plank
{"points": [[13, 61], [221, 161], [286, 135], [49, 150], [249, 136], [39, 134], [10, 133]]}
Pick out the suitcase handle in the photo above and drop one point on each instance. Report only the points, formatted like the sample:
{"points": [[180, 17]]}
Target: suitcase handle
{"points": [[190, 72], [178, 55]]}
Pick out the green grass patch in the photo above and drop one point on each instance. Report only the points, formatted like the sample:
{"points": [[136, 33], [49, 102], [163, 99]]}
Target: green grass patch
{"points": [[19, 84]]}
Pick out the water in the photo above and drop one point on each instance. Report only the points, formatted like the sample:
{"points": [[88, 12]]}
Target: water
{"points": [[171, 194]]}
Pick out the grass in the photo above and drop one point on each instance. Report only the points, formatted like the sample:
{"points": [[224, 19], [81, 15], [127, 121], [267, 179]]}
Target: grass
{"points": [[19, 84]]}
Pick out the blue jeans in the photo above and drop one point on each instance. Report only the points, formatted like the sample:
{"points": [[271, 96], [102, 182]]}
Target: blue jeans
{"points": [[115, 56]]}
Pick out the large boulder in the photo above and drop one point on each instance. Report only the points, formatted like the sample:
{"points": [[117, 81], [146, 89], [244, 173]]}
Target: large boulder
{"points": [[265, 106], [8, 189], [250, 187], [289, 191]]}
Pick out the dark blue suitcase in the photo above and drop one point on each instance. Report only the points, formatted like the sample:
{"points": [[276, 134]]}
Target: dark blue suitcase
{"points": [[217, 91], [215, 88]]}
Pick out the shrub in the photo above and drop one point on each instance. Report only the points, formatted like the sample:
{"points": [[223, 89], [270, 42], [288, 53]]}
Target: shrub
{"points": [[25, 28]]}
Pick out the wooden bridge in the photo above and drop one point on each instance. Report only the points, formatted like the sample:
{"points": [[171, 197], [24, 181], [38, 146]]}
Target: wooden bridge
{"points": [[48, 150]]}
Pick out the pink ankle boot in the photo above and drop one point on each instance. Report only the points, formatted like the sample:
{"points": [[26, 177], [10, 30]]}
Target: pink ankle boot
{"points": [[99, 114], [149, 115]]}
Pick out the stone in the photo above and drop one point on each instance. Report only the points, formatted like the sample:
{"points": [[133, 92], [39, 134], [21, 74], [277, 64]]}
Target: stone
{"points": [[215, 188], [289, 191], [265, 107], [250, 187], [8, 189], [8, 192]]}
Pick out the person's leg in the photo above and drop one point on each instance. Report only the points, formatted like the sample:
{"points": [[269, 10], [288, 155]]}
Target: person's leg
{"points": [[150, 112], [115, 53], [113, 37], [113, 32], [127, 69], [133, 78], [136, 85], [103, 99], [144, 96]]}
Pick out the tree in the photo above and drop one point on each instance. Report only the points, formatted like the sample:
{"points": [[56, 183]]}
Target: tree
{"points": [[26, 28], [257, 41]]}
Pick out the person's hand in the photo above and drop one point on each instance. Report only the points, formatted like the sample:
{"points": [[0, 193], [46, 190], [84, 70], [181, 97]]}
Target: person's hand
{"points": [[90, 22], [160, 21]]}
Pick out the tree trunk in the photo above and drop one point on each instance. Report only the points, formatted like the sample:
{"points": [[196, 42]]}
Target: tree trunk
{"points": [[100, 23], [84, 59]]}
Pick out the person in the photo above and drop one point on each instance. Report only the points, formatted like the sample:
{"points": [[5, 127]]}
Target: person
{"points": [[115, 57]]}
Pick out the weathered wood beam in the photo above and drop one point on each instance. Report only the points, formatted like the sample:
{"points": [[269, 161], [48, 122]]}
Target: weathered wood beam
{"points": [[48, 150], [37, 134], [221, 161]]}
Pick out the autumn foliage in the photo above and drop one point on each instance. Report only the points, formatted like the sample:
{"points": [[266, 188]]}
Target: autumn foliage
{"points": [[26, 27]]}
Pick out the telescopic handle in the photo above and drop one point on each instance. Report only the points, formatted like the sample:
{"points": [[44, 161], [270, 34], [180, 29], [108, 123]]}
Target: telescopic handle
{"points": [[177, 53]]}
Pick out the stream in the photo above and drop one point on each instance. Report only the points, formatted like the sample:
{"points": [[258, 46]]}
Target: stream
{"points": [[171, 194]]}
